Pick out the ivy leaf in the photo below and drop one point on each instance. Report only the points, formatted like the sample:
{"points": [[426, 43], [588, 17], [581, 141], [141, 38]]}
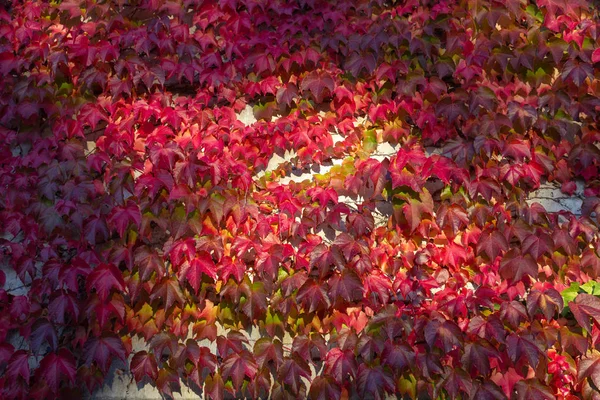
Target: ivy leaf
{"points": [[238, 366], [169, 291], [538, 244], [255, 303], [453, 217], [286, 94], [447, 332], [397, 356], [490, 327], [103, 279], [324, 388], [214, 387], [102, 350], [192, 271], [533, 389], [589, 367], [590, 263], [457, 381], [267, 350], [492, 243], [341, 364], [451, 109], [63, 303], [312, 296], [56, 367], [477, 356], [548, 301], [231, 268], [513, 312], [596, 55], [487, 390], [577, 72], [454, 255], [149, 262], [515, 266], [346, 286], [310, 347], [18, 365], [572, 342], [42, 331], [291, 372], [374, 382], [167, 381], [523, 348], [584, 307], [144, 364], [122, 217], [316, 83]]}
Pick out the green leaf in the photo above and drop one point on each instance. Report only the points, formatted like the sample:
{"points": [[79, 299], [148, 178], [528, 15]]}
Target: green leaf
{"points": [[570, 293], [591, 287]]}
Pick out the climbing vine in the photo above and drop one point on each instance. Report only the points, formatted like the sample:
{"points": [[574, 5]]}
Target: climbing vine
{"points": [[144, 228]]}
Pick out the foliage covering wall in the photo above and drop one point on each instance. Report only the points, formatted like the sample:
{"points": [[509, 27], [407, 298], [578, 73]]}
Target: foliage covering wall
{"points": [[132, 204]]}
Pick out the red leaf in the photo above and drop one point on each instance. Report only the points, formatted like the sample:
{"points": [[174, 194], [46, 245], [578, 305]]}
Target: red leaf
{"points": [[453, 217], [477, 356], [169, 292], [378, 286], [538, 244], [122, 217], [513, 312], [454, 255], [312, 296], [149, 262], [238, 366], [577, 72], [103, 350], [346, 286], [596, 55], [255, 304], [55, 367], [291, 372], [584, 307], [214, 387], [42, 331], [231, 268], [104, 278], [524, 349], [374, 382], [491, 327], [549, 302], [447, 332], [515, 266], [533, 389], [192, 271], [397, 356], [317, 83], [6, 351], [18, 365], [492, 243], [144, 364], [589, 367], [286, 94], [451, 109], [267, 350], [457, 381], [64, 303], [167, 381], [324, 388], [341, 364]]}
